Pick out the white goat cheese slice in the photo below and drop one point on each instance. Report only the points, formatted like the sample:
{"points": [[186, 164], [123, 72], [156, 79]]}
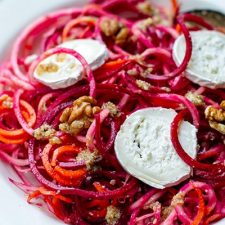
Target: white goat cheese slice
{"points": [[63, 70], [143, 147], [207, 64]]}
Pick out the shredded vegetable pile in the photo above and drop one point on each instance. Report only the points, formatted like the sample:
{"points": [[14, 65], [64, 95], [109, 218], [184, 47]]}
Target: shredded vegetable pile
{"points": [[73, 171]]}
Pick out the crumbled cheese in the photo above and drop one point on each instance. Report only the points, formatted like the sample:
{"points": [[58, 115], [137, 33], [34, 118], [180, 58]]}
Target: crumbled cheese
{"points": [[207, 64], [88, 157], [143, 85], [196, 99], [44, 132], [143, 147], [113, 214], [113, 110]]}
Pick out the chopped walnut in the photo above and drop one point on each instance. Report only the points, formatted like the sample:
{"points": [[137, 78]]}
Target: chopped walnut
{"points": [[6, 101], [113, 110], [80, 116], [146, 72], [154, 206], [55, 141], [143, 85], [166, 212], [145, 8], [113, 28], [113, 214], [213, 113], [144, 24], [90, 158], [110, 26], [178, 199], [47, 68], [195, 98], [216, 117], [122, 36], [132, 72], [46, 132], [217, 126]]}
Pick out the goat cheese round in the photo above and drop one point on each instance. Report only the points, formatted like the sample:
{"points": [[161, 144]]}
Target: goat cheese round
{"points": [[63, 70], [143, 147], [207, 64]]}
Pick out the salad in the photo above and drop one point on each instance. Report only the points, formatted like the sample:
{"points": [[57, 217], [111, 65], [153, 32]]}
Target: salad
{"points": [[114, 113]]}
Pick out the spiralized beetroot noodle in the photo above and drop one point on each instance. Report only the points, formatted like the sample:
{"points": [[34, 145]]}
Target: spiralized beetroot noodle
{"points": [[96, 189]]}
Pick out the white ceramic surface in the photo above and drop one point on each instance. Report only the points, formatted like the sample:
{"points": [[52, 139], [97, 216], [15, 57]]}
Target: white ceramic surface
{"points": [[14, 15]]}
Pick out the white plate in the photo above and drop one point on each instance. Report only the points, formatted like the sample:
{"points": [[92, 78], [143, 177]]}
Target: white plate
{"points": [[14, 15]]}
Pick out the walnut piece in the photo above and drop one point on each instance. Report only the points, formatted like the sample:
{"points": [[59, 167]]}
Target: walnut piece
{"points": [[212, 113], [144, 24], [113, 110], [80, 116], [109, 26], [152, 205], [177, 199], [143, 85], [145, 8], [113, 215], [90, 158], [46, 132], [217, 126], [113, 28], [195, 98], [216, 117], [6, 101], [122, 36]]}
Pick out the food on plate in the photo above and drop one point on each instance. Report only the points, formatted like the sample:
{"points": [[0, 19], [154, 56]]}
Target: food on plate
{"points": [[152, 158], [114, 114], [207, 64]]}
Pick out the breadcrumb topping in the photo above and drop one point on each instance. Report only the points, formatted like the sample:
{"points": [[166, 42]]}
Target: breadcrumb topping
{"points": [[146, 8], [113, 215], [114, 111], [195, 98], [44, 132], [89, 158], [143, 85], [178, 199], [7, 101]]}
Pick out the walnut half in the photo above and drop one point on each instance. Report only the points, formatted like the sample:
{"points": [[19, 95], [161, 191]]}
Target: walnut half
{"points": [[80, 116], [111, 27], [216, 117]]}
